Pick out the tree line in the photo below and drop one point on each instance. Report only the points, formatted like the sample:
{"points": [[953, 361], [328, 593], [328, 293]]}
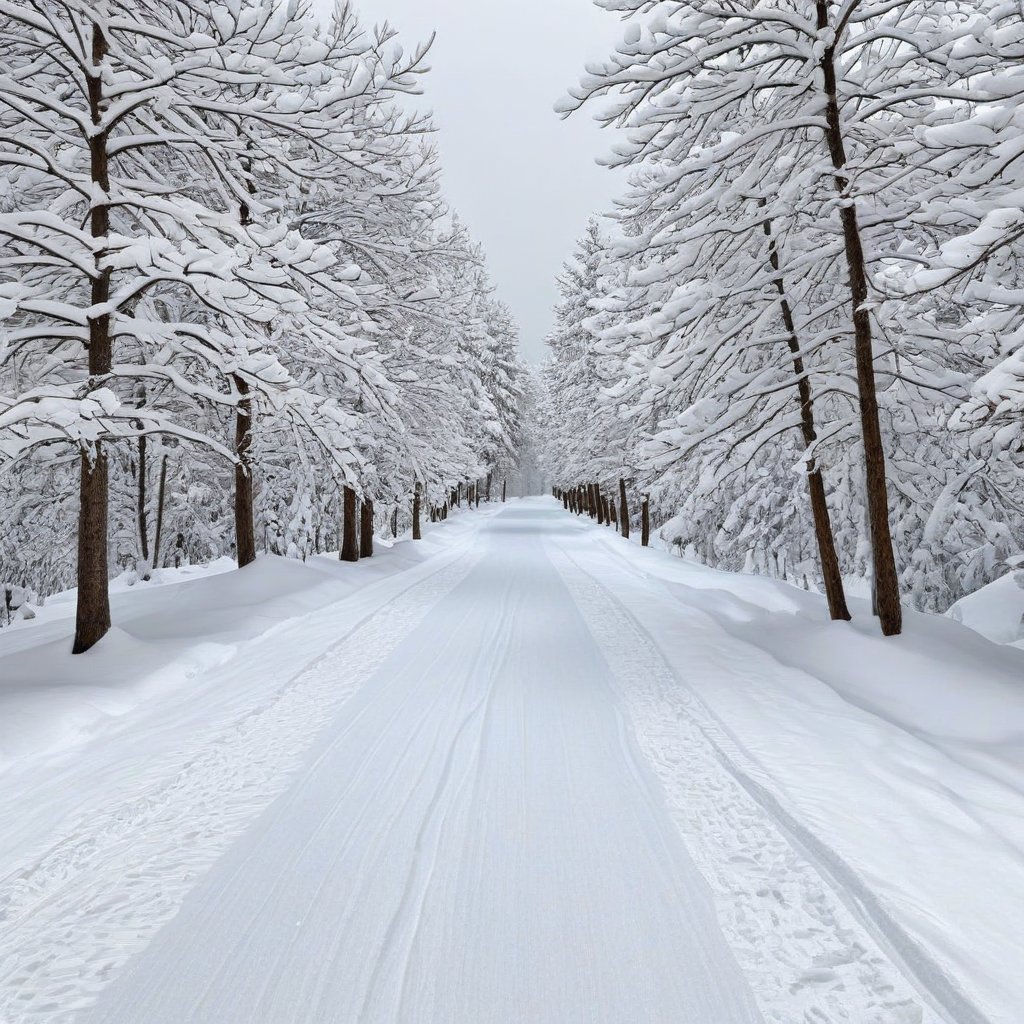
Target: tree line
{"points": [[235, 311], [798, 335]]}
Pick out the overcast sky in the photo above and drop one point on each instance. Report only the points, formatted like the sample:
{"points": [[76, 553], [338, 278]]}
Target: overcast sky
{"points": [[523, 180]]}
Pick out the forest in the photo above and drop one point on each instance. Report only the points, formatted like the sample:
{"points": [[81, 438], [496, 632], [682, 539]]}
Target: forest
{"points": [[238, 315], [436, 588], [799, 336]]}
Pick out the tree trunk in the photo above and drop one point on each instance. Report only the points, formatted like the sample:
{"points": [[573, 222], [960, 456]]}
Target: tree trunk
{"points": [[566, 500], [476, 493], [487, 495], [161, 491], [504, 490], [366, 530], [824, 535], [93, 613], [613, 514], [885, 577], [140, 507], [598, 505], [417, 533], [645, 522], [394, 522], [605, 511], [623, 509], [349, 527], [245, 518], [92, 616]]}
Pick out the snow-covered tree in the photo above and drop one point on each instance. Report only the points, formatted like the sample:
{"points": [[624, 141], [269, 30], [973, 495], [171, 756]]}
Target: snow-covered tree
{"points": [[790, 163]]}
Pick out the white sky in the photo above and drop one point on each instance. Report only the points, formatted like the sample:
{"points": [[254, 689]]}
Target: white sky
{"points": [[522, 180]]}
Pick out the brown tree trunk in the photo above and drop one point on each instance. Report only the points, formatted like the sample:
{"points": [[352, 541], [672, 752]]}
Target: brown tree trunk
{"points": [[245, 515], [141, 495], [613, 513], [566, 496], [487, 495], [417, 533], [161, 491], [366, 530], [349, 527], [92, 615], [824, 535], [245, 518], [140, 508], [605, 511], [886, 584], [598, 506], [623, 509], [645, 522]]}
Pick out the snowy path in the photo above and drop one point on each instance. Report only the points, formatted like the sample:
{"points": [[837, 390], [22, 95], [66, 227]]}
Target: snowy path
{"points": [[486, 804]]}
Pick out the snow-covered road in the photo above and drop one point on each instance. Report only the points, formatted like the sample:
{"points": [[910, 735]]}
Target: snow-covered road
{"points": [[469, 800]]}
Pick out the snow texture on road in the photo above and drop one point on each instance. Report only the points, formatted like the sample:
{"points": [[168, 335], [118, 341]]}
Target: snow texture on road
{"points": [[489, 801]]}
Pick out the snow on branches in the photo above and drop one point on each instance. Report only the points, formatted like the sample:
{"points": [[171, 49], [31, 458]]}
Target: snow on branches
{"points": [[216, 223], [812, 276]]}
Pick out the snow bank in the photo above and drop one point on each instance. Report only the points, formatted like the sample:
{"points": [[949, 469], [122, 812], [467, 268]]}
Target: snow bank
{"points": [[995, 611], [168, 632], [897, 764]]}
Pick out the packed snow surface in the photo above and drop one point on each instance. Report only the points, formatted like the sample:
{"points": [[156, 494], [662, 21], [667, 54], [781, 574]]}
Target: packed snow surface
{"points": [[523, 771]]}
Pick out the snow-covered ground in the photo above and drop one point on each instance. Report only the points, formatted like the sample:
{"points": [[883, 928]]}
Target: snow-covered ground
{"points": [[523, 771]]}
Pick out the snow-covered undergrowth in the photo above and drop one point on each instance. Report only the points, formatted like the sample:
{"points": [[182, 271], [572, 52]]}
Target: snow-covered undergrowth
{"points": [[897, 763], [169, 631]]}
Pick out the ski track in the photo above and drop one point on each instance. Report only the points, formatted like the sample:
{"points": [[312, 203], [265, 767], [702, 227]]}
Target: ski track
{"points": [[808, 958], [73, 916]]}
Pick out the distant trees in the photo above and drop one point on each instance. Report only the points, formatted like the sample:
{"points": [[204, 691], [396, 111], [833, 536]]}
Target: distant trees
{"points": [[813, 185], [229, 291]]}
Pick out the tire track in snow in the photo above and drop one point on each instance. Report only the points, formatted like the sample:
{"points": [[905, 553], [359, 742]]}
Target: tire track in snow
{"points": [[807, 956], [75, 914], [461, 770]]}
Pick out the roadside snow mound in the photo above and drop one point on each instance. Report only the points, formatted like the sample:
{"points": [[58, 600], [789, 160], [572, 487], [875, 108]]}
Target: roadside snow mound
{"points": [[995, 611]]}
